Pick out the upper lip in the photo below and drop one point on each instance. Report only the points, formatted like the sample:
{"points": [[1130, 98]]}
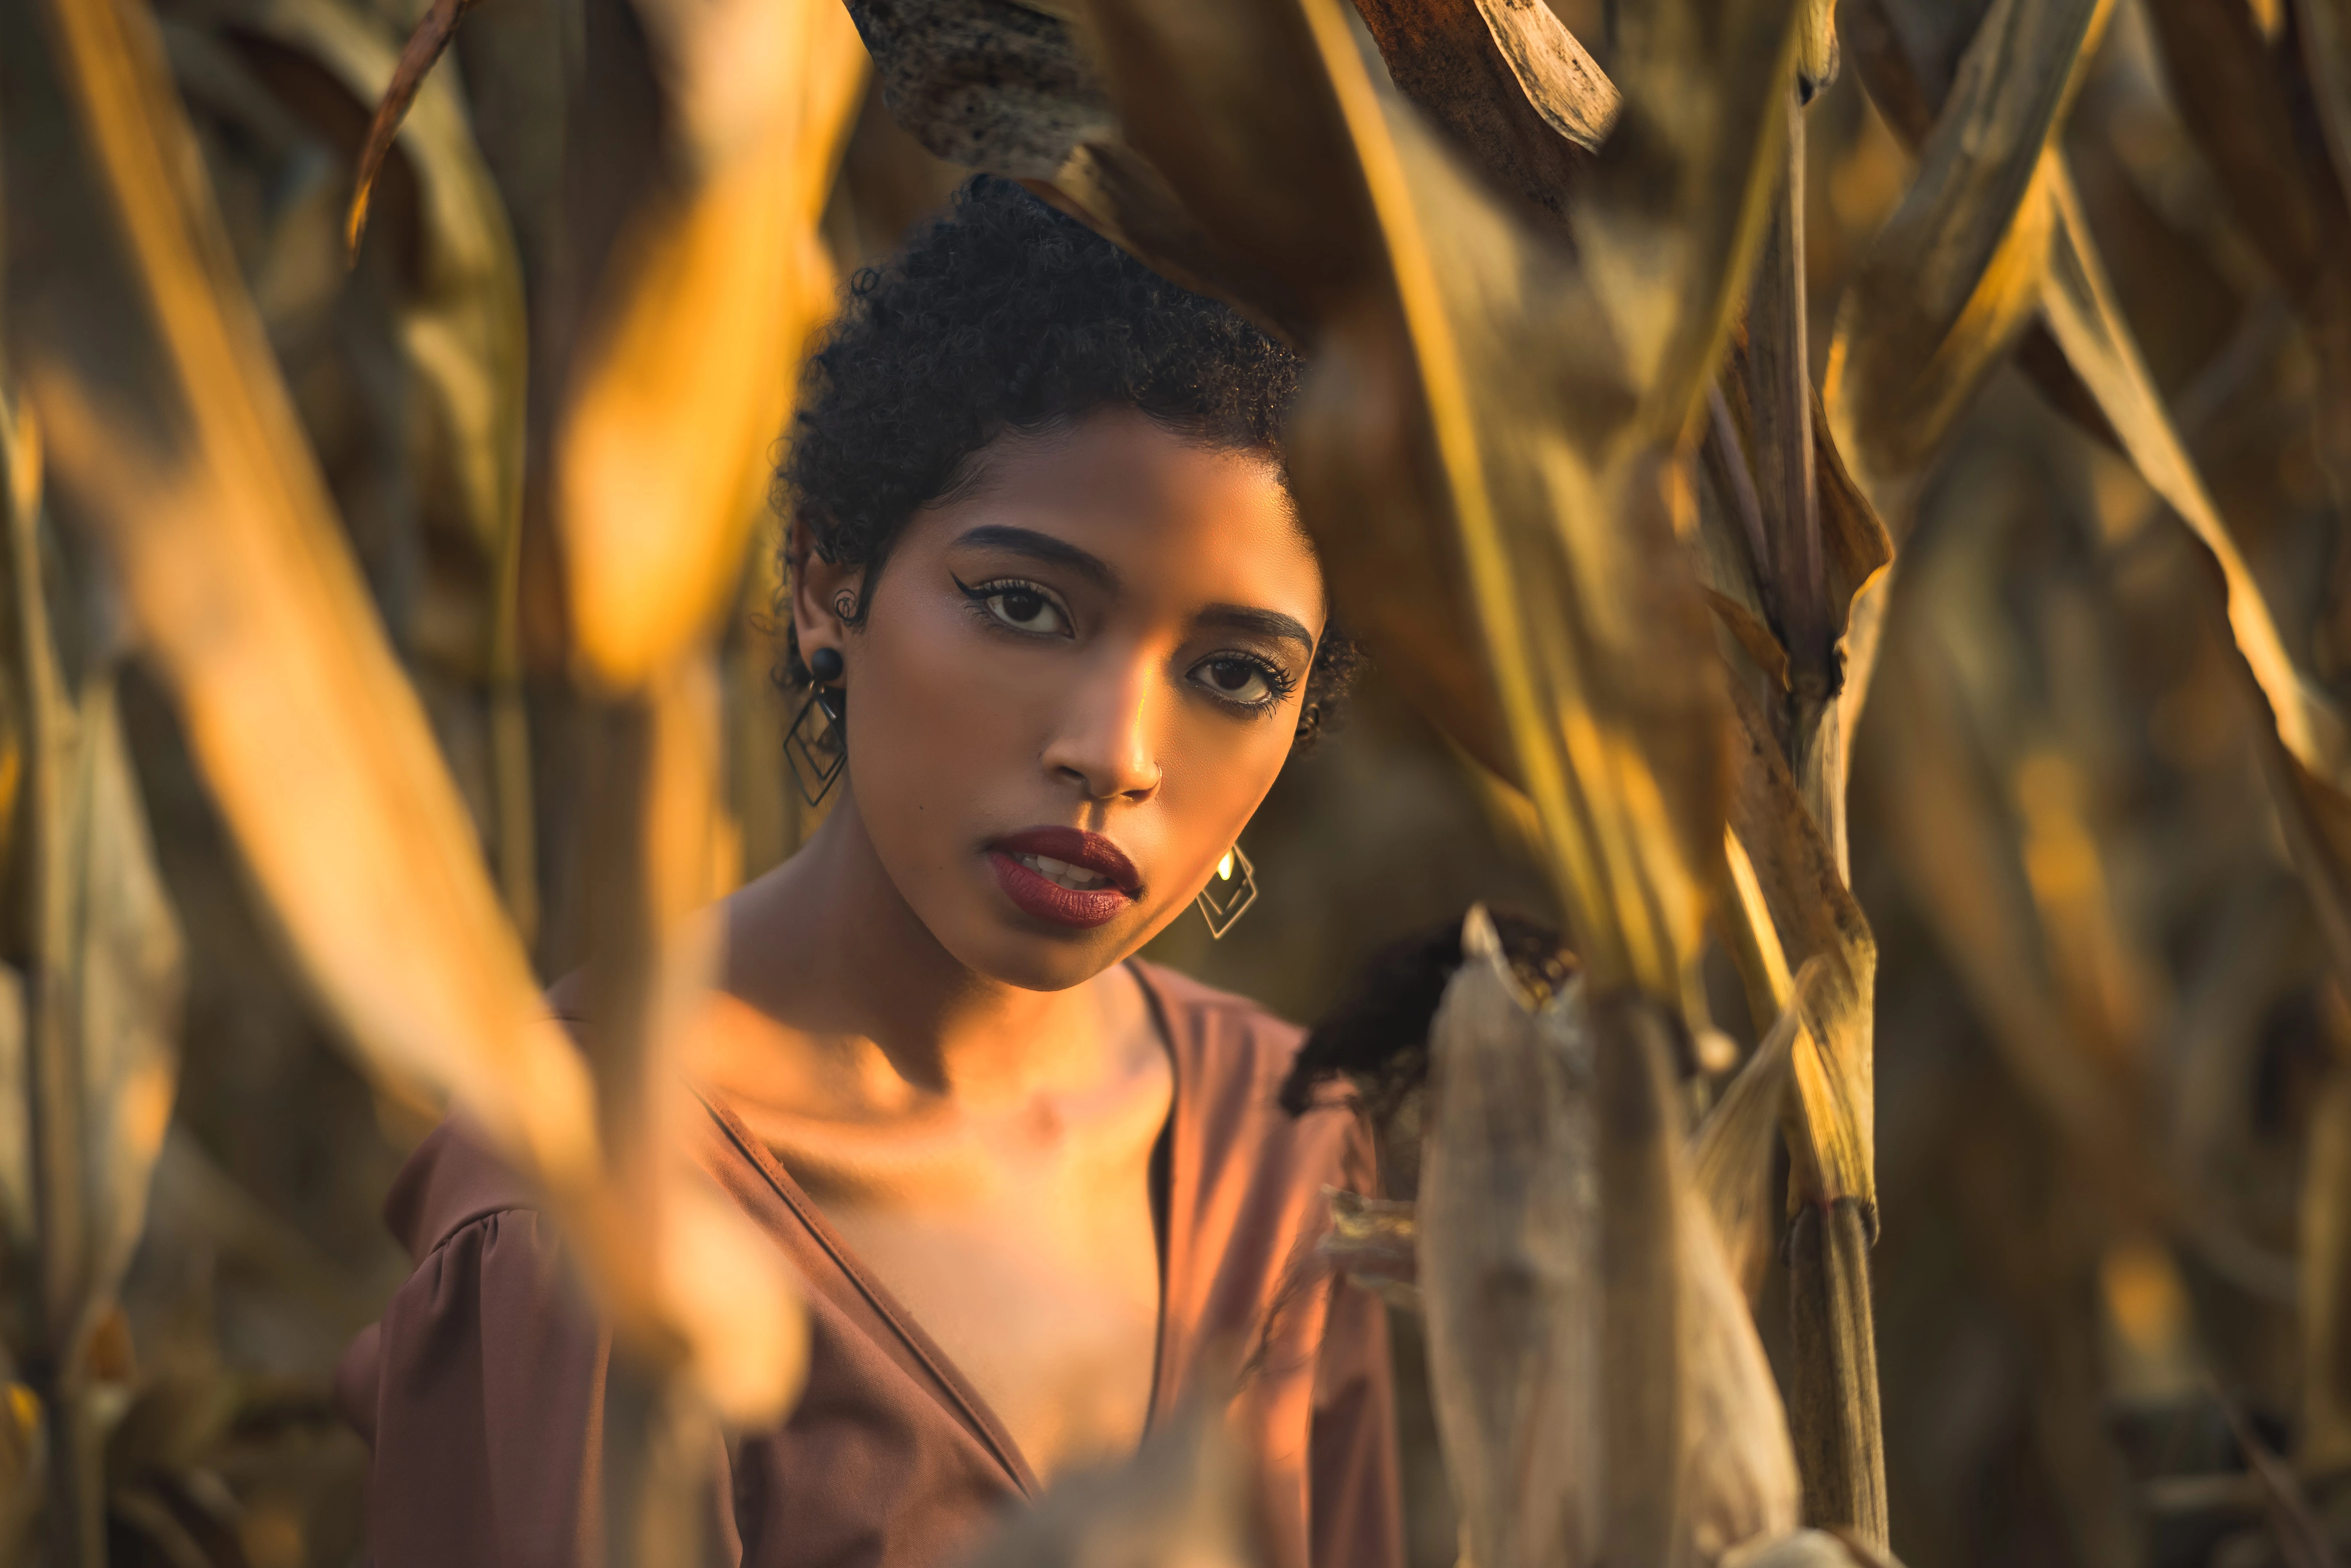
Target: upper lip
{"points": [[1078, 847]]}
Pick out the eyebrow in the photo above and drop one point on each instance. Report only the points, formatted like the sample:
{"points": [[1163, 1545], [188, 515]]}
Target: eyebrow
{"points": [[1043, 548], [1060, 552], [1261, 622]]}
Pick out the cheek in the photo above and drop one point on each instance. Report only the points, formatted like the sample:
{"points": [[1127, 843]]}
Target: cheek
{"points": [[1216, 775], [936, 715]]}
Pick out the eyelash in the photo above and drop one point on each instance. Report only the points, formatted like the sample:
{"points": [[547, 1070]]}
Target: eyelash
{"points": [[981, 593], [1280, 683]]}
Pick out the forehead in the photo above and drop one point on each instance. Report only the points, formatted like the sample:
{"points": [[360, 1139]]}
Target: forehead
{"points": [[1166, 514]]}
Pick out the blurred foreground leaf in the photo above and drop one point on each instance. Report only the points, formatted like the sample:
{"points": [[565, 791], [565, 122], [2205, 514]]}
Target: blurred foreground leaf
{"points": [[184, 457], [678, 388]]}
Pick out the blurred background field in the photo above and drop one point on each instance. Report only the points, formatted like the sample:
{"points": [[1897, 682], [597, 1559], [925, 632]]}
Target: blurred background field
{"points": [[2059, 832]]}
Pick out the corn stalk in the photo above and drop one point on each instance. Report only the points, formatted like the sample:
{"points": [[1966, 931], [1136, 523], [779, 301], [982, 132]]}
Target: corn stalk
{"points": [[172, 434]]}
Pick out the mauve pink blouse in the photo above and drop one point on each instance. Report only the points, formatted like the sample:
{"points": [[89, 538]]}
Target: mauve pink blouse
{"points": [[480, 1390]]}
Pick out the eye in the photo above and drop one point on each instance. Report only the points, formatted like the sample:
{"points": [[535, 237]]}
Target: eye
{"points": [[1246, 683], [1022, 606], [1026, 610]]}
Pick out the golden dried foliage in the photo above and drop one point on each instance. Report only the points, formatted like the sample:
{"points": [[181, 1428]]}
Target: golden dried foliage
{"points": [[1560, 451]]}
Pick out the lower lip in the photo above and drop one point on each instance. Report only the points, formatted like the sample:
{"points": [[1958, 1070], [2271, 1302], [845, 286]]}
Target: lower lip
{"points": [[1050, 901]]}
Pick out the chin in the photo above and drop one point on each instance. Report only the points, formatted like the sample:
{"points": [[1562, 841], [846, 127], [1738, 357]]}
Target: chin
{"points": [[1015, 949], [1039, 962]]}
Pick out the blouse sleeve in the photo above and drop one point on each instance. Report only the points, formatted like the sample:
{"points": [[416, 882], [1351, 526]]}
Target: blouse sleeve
{"points": [[1355, 1494], [482, 1392], [1353, 1491]]}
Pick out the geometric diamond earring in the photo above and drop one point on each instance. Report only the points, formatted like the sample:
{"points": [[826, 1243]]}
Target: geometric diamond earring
{"points": [[1224, 900], [819, 751]]}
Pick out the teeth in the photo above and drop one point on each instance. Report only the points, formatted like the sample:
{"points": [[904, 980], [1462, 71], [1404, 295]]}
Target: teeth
{"points": [[1061, 874]]}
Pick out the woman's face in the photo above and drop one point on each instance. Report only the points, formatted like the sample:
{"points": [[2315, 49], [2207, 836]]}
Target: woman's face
{"points": [[1076, 680]]}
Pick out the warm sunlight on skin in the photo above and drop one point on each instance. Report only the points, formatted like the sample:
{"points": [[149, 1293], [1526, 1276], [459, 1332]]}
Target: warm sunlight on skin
{"points": [[1091, 636], [1106, 631]]}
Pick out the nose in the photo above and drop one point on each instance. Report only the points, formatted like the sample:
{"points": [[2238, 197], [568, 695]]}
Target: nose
{"points": [[1104, 743]]}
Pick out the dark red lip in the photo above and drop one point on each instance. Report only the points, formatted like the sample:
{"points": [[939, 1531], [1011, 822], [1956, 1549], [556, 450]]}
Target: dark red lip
{"points": [[1078, 847], [1048, 899]]}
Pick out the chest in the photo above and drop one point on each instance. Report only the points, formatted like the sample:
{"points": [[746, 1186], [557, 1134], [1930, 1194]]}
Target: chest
{"points": [[881, 1464], [1043, 1291], [1025, 1249]]}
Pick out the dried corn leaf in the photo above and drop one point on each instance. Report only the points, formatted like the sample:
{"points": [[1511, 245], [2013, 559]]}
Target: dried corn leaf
{"points": [[1684, 187], [2226, 85], [234, 567], [2326, 52], [120, 999], [1773, 366], [425, 45], [2325, 1283], [1952, 841], [2311, 767], [1788, 906], [1508, 82], [464, 323], [2068, 282], [1854, 546], [678, 395], [1554, 73], [1953, 278], [1739, 1481], [2082, 313], [2224, 79], [2301, 1535], [677, 392], [192, 468], [1857, 551], [1730, 1157], [88, 1054], [88, 1049]]}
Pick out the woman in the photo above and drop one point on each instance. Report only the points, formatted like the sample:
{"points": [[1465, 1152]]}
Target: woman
{"points": [[1051, 589]]}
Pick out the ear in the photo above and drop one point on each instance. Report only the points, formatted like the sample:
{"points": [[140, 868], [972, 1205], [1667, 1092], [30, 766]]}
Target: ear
{"points": [[822, 592]]}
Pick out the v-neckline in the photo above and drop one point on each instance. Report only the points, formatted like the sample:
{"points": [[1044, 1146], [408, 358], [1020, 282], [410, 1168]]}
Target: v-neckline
{"points": [[962, 1398]]}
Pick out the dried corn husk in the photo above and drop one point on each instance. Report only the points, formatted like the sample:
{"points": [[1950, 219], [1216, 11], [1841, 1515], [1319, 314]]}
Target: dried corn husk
{"points": [[1599, 1386]]}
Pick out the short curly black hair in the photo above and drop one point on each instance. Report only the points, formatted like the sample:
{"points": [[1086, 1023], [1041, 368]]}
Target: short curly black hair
{"points": [[1005, 315]]}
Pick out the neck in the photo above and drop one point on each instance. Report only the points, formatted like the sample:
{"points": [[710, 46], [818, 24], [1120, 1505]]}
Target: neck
{"points": [[826, 946]]}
